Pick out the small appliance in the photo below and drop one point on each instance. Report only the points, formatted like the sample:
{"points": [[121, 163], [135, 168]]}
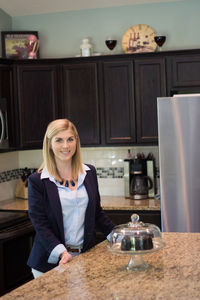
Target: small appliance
{"points": [[140, 185], [137, 182]]}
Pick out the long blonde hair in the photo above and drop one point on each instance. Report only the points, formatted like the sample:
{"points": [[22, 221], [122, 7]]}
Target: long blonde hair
{"points": [[48, 156]]}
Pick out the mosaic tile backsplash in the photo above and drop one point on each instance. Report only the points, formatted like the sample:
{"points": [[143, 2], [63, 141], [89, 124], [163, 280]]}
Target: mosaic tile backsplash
{"points": [[109, 163], [110, 172], [12, 174], [101, 173]]}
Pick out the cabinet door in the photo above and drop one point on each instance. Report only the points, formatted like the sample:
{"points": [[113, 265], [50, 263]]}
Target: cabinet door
{"points": [[119, 217], [6, 86], [184, 74], [123, 217], [81, 101], [186, 70], [149, 84], [38, 102], [119, 102]]}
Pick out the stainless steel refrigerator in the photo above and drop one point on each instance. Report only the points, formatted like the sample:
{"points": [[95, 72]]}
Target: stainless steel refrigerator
{"points": [[179, 159]]}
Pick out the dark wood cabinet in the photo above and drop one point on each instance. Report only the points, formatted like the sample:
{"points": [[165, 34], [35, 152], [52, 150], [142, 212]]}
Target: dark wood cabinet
{"points": [[111, 99], [185, 70], [119, 106], [6, 93], [150, 83], [6, 82], [38, 101], [183, 75], [81, 100], [119, 217], [124, 216]]}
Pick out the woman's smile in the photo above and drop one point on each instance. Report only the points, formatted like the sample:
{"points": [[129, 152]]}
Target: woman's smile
{"points": [[64, 145]]}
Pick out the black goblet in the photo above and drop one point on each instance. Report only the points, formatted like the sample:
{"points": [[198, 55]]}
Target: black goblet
{"points": [[160, 39], [111, 43]]}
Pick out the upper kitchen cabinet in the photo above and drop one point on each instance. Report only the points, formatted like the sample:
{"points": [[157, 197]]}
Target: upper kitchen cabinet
{"points": [[150, 83], [183, 73], [81, 100], [119, 107], [5, 81], [112, 99], [36, 88], [6, 95]]}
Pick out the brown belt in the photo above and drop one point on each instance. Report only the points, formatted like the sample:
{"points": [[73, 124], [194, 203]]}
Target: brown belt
{"points": [[69, 249]]}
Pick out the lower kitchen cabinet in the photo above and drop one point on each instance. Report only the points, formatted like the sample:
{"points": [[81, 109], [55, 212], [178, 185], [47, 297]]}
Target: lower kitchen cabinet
{"points": [[15, 246], [124, 216]]}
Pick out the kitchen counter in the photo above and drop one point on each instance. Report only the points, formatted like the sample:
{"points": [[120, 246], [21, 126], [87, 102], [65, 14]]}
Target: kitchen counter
{"points": [[173, 273], [16, 204], [121, 203], [107, 202]]}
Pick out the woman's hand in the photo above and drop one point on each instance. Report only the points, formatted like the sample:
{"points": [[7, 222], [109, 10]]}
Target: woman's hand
{"points": [[65, 257]]}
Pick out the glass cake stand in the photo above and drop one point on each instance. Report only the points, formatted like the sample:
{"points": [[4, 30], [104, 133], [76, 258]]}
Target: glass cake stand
{"points": [[145, 238], [136, 261]]}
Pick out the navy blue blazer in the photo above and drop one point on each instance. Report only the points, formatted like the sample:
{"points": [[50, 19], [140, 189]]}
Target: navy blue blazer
{"points": [[45, 213]]}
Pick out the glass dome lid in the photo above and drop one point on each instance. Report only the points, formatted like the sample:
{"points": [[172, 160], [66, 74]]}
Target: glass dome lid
{"points": [[136, 237]]}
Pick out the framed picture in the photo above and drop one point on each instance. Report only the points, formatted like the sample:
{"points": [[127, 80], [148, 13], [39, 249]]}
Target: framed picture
{"points": [[14, 44]]}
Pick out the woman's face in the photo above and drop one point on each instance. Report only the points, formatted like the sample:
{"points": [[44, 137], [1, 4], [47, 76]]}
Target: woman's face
{"points": [[63, 145]]}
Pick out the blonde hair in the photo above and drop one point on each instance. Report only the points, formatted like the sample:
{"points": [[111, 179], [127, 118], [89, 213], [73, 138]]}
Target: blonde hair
{"points": [[49, 160]]}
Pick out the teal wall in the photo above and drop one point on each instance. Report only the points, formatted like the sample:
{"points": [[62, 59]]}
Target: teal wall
{"points": [[5, 23], [61, 33]]}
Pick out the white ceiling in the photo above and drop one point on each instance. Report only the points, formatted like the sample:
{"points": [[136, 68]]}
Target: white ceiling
{"points": [[32, 7]]}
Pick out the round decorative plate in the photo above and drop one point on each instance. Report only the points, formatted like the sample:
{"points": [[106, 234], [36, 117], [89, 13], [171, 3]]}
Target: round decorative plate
{"points": [[139, 38]]}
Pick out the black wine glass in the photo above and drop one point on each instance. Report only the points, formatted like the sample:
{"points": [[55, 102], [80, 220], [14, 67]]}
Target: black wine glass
{"points": [[160, 40], [111, 43]]}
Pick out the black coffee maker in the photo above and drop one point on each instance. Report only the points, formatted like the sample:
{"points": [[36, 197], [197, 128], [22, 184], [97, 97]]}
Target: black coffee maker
{"points": [[140, 183]]}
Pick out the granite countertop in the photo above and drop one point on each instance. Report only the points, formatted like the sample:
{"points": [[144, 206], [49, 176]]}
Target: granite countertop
{"points": [[121, 203], [173, 273], [107, 202], [16, 204]]}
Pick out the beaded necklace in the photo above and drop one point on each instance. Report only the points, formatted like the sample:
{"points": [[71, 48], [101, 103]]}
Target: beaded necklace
{"points": [[67, 182]]}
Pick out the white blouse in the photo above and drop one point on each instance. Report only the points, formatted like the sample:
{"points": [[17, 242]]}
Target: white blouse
{"points": [[74, 204]]}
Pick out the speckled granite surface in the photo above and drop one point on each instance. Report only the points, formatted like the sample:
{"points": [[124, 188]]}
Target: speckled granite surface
{"points": [[16, 204], [121, 203], [107, 202], [173, 273]]}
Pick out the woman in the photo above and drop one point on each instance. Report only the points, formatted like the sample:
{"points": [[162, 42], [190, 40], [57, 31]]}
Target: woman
{"points": [[64, 201]]}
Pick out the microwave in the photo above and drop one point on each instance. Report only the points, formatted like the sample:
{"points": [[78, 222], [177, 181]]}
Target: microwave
{"points": [[3, 124]]}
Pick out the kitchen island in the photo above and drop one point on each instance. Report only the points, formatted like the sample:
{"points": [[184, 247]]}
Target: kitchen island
{"points": [[173, 273]]}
